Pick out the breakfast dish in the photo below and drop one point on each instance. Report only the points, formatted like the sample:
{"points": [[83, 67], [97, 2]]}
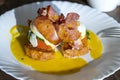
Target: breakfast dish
{"points": [[51, 30], [55, 43], [14, 35]]}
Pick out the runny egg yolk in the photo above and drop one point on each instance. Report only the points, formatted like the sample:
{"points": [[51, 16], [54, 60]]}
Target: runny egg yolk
{"points": [[59, 63]]}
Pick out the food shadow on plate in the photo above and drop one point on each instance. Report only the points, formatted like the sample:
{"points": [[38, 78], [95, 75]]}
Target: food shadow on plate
{"points": [[29, 12], [109, 61]]}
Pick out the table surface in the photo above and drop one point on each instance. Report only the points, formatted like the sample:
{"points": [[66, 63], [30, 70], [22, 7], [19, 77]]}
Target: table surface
{"points": [[6, 5]]}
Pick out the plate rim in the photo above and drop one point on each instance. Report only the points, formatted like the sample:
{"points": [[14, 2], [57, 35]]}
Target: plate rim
{"points": [[56, 2]]}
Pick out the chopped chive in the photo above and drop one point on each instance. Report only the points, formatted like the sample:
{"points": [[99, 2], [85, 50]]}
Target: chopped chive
{"points": [[29, 34], [88, 35], [40, 38]]}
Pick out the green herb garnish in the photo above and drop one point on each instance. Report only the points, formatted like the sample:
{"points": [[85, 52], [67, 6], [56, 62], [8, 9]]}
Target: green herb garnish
{"points": [[29, 34], [40, 38], [88, 35]]}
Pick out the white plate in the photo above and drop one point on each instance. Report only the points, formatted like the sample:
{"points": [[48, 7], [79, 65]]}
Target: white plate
{"points": [[94, 20]]}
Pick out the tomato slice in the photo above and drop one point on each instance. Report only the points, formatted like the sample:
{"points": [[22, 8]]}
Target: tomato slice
{"points": [[42, 45]]}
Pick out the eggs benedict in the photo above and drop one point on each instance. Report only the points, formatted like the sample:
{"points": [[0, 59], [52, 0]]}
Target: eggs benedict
{"points": [[50, 30]]}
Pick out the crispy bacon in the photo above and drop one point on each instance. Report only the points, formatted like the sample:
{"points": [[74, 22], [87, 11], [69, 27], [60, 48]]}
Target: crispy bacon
{"points": [[52, 14], [71, 17], [58, 22], [68, 35], [67, 28], [29, 22], [61, 19], [42, 12], [49, 12], [47, 29], [56, 28], [46, 22]]}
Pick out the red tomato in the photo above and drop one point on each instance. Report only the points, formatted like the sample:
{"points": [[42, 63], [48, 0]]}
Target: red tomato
{"points": [[42, 45]]}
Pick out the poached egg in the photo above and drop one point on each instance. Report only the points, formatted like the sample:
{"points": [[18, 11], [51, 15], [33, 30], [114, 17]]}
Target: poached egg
{"points": [[36, 33]]}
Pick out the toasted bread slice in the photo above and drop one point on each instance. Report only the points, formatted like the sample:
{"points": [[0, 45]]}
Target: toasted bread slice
{"points": [[39, 54]]}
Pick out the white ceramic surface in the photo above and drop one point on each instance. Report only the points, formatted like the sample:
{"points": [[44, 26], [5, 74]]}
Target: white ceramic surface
{"points": [[94, 20], [104, 5]]}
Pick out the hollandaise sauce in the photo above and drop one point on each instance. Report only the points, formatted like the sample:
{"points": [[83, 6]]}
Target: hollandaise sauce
{"points": [[59, 63]]}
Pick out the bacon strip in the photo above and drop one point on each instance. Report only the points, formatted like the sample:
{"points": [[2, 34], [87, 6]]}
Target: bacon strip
{"points": [[47, 29], [49, 12], [71, 17], [52, 14], [68, 31], [56, 28]]}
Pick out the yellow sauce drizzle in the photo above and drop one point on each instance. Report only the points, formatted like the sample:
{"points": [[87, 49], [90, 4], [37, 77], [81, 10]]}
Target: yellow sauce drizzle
{"points": [[95, 45], [59, 64]]}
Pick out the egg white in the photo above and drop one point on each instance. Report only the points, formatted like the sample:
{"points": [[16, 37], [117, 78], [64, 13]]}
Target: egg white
{"points": [[82, 30], [33, 39], [37, 33]]}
